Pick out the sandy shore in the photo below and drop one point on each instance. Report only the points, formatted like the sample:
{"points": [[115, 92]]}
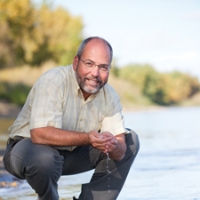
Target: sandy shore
{"points": [[6, 179], [7, 110]]}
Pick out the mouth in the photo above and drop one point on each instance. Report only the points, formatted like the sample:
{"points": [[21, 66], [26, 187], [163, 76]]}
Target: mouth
{"points": [[92, 82]]}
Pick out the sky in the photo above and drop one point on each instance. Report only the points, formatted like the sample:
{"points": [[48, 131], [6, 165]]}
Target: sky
{"points": [[162, 33]]}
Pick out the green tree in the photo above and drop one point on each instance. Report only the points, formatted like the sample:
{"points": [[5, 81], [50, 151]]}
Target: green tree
{"points": [[137, 74], [179, 86], [57, 35], [17, 24], [32, 36], [161, 88]]}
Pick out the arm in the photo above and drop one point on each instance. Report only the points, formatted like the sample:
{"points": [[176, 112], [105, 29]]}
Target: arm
{"points": [[105, 142], [59, 137]]}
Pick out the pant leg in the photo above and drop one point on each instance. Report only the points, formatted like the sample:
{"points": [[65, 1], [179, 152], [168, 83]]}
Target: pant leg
{"points": [[81, 159], [40, 165], [108, 186]]}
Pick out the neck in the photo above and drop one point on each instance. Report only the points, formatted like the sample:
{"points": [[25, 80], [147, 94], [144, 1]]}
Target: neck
{"points": [[85, 94]]}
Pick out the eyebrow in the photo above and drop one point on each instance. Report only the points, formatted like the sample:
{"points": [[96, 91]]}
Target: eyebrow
{"points": [[98, 64]]}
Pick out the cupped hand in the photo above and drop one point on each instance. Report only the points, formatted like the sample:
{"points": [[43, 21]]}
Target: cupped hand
{"points": [[103, 141], [111, 143], [97, 140]]}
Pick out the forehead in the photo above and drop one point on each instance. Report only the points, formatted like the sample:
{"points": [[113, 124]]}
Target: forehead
{"points": [[97, 50]]}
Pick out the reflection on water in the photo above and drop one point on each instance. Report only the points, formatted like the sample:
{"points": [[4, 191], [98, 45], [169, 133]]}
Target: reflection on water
{"points": [[167, 166]]}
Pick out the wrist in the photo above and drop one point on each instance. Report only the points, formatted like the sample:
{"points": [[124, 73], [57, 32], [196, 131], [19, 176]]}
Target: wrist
{"points": [[87, 138]]}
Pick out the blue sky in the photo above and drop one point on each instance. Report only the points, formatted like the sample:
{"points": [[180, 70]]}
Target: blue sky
{"points": [[163, 33]]}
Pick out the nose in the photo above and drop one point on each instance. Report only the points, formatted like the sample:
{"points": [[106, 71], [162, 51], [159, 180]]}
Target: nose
{"points": [[95, 71]]}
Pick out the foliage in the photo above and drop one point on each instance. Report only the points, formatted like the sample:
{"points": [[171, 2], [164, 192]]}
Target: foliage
{"points": [[162, 89], [15, 93], [32, 36], [179, 86], [137, 74], [114, 69]]}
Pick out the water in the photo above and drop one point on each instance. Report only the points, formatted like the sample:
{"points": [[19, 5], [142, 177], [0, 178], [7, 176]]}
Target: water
{"points": [[167, 166], [107, 169]]}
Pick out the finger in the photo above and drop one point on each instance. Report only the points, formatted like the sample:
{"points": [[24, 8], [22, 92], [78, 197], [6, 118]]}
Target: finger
{"points": [[110, 147], [114, 141], [107, 134]]}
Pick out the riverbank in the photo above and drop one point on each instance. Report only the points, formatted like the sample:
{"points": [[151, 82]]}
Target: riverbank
{"points": [[9, 110], [6, 179], [12, 110]]}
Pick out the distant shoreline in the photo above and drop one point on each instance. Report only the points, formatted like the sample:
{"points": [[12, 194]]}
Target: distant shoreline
{"points": [[9, 110]]}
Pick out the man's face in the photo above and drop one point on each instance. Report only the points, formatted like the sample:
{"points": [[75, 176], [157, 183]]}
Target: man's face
{"points": [[92, 79]]}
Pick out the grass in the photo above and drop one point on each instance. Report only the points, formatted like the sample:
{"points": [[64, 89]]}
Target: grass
{"points": [[15, 83], [24, 74]]}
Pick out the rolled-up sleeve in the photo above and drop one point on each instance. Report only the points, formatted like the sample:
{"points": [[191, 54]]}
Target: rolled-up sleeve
{"points": [[114, 121]]}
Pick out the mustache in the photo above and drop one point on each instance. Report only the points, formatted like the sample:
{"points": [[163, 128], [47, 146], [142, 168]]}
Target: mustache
{"points": [[94, 78]]}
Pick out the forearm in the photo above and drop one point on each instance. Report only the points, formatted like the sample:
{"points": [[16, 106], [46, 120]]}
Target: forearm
{"points": [[58, 137], [118, 152], [116, 146]]}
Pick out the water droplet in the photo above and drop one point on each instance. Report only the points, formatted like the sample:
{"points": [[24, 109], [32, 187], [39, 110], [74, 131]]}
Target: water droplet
{"points": [[107, 169]]}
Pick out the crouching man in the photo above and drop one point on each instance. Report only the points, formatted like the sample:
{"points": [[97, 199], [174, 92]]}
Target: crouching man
{"points": [[70, 123]]}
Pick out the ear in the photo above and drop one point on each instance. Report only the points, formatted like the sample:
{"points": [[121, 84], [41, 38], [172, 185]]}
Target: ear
{"points": [[75, 63]]}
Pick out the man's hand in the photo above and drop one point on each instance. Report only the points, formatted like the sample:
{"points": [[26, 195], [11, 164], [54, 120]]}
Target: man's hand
{"points": [[101, 141], [107, 143], [111, 143]]}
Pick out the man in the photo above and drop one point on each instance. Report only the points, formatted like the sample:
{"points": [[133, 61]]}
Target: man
{"points": [[70, 123]]}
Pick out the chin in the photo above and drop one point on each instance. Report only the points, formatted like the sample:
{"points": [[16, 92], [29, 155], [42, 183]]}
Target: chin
{"points": [[91, 91]]}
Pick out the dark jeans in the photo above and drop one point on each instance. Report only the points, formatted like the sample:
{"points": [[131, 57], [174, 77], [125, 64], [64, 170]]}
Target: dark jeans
{"points": [[43, 165]]}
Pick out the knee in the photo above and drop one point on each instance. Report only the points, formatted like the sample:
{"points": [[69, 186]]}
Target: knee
{"points": [[38, 159], [132, 141], [46, 163]]}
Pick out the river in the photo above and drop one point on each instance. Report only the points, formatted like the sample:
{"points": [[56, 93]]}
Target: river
{"points": [[167, 166]]}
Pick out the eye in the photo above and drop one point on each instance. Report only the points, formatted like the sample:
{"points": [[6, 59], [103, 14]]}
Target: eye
{"points": [[103, 67], [89, 64]]}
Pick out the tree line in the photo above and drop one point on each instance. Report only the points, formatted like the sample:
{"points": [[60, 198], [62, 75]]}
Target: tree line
{"points": [[161, 88], [32, 35]]}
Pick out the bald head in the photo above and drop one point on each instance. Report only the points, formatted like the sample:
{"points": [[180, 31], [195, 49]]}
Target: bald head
{"points": [[93, 41]]}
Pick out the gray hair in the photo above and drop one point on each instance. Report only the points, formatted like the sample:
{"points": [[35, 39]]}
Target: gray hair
{"points": [[83, 44]]}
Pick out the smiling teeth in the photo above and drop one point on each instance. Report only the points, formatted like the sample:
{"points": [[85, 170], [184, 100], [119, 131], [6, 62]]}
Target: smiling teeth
{"points": [[93, 80]]}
